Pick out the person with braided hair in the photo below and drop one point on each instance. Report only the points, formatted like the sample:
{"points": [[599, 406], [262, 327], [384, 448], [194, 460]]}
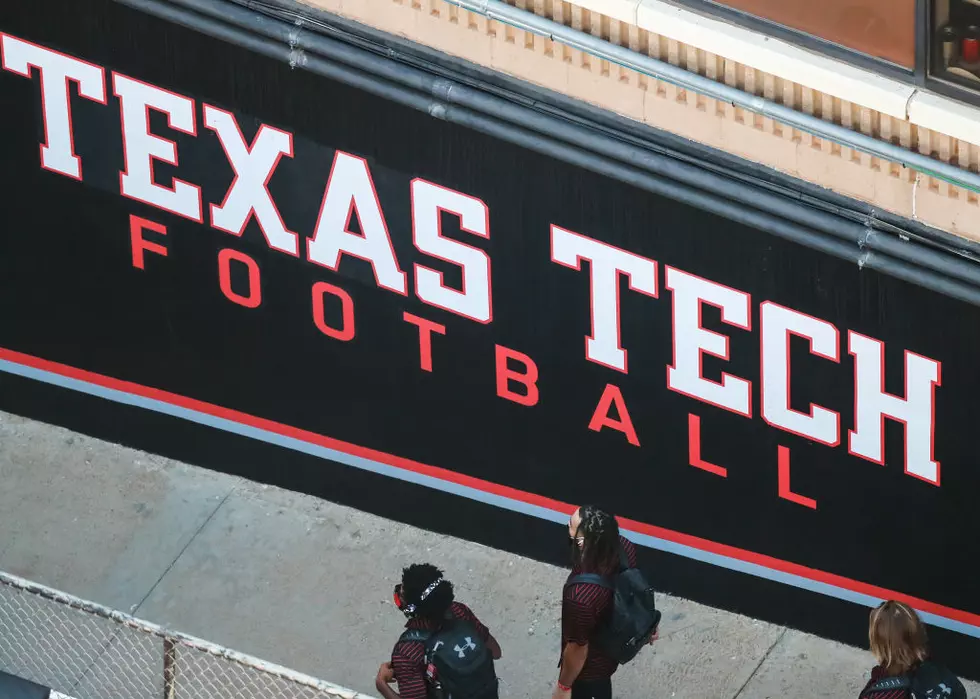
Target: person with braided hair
{"points": [[596, 547]]}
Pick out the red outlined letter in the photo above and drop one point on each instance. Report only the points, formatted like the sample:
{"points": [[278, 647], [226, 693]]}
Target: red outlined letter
{"points": [[428, 202], [606, 263], [426, 328], [601, 417], [694, 448], [917, 411], [505, 375], [785, 491], [249, 192], [777, 324], [346, 333], [692, 341], [55, 70], [138, 244], [141, 148], [350, 190], [254, 298]]}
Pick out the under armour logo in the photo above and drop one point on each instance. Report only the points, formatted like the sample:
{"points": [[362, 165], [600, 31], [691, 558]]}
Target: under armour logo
{"points": [[468, 645]]}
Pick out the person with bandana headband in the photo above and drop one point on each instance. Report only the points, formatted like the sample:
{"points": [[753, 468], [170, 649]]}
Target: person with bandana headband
{"points": [[427, 599]]}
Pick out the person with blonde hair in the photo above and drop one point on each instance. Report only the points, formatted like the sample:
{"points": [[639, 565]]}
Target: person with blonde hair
{"points": [[901, 647]]}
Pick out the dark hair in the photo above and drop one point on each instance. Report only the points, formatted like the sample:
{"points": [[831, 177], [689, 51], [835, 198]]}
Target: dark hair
{"points": [[415, 580], [600, 548]]}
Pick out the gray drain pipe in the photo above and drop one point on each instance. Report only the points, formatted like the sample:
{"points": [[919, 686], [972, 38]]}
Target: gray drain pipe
{"points": [[287, 42], [667, 173], [600, 48]]}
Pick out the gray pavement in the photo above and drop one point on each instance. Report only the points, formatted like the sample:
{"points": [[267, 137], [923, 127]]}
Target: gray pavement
{"points": [[306, 583]]}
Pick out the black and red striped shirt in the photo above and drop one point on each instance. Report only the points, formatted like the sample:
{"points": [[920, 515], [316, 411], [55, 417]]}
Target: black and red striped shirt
{"points": [[584, 607], [408, 657], [879, 674]]}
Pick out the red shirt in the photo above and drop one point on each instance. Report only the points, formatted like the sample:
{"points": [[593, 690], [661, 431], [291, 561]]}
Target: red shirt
{"points": [[584, 607], [408, 657]]}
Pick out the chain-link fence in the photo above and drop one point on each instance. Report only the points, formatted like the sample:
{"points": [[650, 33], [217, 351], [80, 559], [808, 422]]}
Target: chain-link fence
{"points": [[87, 651]]}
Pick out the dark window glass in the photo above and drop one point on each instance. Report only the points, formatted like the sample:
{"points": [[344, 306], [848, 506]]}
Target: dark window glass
{"points": [[881, 28], [956, 41]]}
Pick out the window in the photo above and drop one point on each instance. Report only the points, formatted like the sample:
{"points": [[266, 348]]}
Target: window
{"points": [[955, 41], [883, 29], [934, 44]]}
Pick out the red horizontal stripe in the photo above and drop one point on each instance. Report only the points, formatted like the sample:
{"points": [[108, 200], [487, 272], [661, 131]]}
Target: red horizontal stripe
{"points": [[482, 485], [799, 570]]}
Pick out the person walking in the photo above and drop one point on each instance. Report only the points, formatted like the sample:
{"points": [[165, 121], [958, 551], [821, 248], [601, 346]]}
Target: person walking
{"points": [[599, 553], [445, 652], [904, 670]]}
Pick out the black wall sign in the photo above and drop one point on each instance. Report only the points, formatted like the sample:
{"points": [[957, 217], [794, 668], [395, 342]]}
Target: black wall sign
{"points": [[300, 282]]}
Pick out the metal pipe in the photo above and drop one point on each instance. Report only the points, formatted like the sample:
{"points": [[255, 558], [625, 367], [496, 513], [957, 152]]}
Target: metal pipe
{"points": [[594, 46], [789, 209], [580, 137], [621, 128], [278, 40]]}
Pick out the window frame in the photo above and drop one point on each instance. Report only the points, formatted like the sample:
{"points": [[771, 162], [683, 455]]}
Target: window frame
{"points": [[921, 76], [916, 74], [935, 82]]}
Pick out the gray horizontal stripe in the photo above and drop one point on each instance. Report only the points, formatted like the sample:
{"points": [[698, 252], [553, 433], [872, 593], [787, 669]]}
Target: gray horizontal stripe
{"points": [[501, 501]]}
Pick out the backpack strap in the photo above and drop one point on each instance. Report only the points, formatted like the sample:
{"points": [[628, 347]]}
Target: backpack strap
{"points": [[590, 579], [601, 580], [423, 635], [624, 561], [891, 684], [415, 636]]}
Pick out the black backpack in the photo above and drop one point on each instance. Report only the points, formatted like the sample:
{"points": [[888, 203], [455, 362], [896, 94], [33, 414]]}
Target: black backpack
{"points": [[633, 618], [458, 664], [929, 681]]}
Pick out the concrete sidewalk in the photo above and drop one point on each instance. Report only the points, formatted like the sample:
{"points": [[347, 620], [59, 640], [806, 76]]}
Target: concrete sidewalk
{"points": [[307, 584]]}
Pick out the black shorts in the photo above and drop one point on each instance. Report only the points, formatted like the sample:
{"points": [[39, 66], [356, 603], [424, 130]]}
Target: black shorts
{"points": [[592, 689]]}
